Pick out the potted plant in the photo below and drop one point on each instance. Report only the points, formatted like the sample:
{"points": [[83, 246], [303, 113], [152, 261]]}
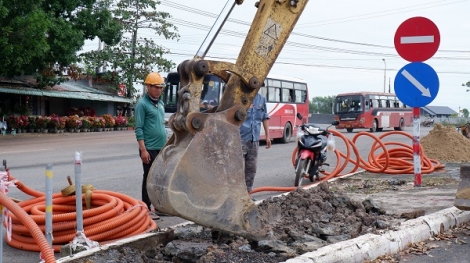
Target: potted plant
{"points": [[120, 122], [62, 123], [86, 125], [73, 123], [109, 120], [99, 124], [32, 123], [12, 123], [23, 123], [41, 123], [131, 123], [54, 122]]}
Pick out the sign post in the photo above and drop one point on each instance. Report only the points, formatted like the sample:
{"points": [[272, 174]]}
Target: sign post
{"points": [[417, 84]]}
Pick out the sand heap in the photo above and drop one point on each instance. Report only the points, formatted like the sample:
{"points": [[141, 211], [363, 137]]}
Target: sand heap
{"points": [[446, 145]]}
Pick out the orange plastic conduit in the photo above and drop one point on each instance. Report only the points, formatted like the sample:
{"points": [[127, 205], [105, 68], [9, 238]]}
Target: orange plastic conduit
{"points": [[394, 158], [36, 233], [113, 216]]}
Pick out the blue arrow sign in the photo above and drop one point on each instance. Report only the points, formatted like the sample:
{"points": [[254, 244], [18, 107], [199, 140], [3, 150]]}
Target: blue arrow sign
{"points": [[416, 84]]}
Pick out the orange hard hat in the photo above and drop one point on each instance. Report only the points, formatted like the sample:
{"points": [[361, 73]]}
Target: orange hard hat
{"points": [[154, 78]]}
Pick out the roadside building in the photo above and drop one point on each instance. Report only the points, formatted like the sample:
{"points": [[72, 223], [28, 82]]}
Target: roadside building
{"points": [[20, 96]]}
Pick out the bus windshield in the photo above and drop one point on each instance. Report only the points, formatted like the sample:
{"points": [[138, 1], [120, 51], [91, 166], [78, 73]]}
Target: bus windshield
{"points": [[211, 91], [351, 103]]}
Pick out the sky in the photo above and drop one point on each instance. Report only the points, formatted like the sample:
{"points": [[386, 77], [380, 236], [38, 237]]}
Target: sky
{"points": [[336, 46]]}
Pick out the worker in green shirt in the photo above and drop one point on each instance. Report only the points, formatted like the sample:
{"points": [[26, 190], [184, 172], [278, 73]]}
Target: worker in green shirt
{"points": [[149, 128]]}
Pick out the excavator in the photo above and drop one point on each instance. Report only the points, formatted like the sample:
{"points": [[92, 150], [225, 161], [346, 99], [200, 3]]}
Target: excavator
{"points": [[199, 174]]}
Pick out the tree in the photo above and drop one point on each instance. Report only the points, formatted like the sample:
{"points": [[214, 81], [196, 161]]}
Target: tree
{"points": [[465, 112], [43, 37], [134, 57], [321, 104]]}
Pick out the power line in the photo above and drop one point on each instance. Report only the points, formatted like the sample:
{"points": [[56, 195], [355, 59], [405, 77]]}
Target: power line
{"points": [[236, 21], [320, 65]]}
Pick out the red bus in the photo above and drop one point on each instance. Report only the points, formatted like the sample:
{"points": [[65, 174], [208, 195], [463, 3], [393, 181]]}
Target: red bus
{"points": [[371, 110], [285, 97]]}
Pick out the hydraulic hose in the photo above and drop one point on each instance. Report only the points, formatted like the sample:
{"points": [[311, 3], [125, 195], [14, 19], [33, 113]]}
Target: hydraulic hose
{"points": [[113, 216], [394, 158]]}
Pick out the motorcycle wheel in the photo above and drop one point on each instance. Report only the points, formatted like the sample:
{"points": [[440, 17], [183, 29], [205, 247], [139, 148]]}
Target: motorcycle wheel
{"points": [[299, 172], [314, 172]]}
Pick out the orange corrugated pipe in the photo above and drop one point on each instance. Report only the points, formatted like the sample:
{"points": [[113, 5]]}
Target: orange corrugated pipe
{"points": [[36, 233], [390, 161], [113, 216]]}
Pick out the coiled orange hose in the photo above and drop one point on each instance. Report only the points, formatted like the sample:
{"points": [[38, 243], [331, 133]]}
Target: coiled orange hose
{"points": [[112, 216], [395, 158]]}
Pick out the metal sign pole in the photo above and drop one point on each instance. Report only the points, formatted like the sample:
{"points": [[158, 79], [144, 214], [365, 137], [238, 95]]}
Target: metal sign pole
{"points": [[78, 191], [416, 147], [49, 177]]}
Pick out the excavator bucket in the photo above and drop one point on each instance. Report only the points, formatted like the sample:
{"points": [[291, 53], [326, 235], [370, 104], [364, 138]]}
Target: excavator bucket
{"points": [[462, 197], [199, 174], [202, 179]]}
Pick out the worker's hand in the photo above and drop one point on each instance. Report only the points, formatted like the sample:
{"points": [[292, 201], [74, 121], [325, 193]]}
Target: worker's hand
{"points": [[145, 156], [268, 143]]}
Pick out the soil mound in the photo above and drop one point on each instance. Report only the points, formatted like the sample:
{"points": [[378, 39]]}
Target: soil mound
{"points": [[304, 220], [446, 145]]}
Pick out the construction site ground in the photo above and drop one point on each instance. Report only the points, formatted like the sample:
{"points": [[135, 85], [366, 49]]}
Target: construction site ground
{"points": [[395, 195]]}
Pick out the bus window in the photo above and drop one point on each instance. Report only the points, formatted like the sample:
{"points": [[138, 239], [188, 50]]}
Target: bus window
{"points": [[300, 92], [356, 103], [299, 96], [276, 83], [396, 104], [286, 95], [274, 94], [287, 91]]}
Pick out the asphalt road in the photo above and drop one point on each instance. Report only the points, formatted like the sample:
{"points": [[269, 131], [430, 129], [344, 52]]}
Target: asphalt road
{"points": [[111, 162]]}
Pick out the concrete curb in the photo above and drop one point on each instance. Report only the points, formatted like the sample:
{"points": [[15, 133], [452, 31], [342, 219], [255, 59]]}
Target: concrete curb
{"points": [[372, 246]]}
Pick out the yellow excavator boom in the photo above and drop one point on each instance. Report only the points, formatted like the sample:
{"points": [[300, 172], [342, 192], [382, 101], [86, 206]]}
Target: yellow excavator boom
{"points": [[199, 174]]}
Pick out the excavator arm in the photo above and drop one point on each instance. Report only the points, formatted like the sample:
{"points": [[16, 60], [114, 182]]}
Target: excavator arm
{"points": [[199, 174]]}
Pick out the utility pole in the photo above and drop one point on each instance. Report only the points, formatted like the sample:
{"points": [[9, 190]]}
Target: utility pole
{"points": [[389, 85], [385, 74]]}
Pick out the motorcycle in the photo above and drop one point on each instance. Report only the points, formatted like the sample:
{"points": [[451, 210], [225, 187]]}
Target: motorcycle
{"points": [[428, 123], [312, 144]]}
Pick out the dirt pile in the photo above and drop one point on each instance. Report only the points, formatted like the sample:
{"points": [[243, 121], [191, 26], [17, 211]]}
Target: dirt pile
{"points": [[445, 144], [309, 219]]}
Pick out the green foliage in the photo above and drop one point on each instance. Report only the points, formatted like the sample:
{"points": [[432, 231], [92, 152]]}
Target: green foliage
{"points": [[465, 112], [321, 104], [43, 37], [131, 121], [134, 57]]}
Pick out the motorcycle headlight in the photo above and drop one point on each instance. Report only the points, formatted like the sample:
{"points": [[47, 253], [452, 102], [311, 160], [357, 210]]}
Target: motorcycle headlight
{"points": [[314, 130]]}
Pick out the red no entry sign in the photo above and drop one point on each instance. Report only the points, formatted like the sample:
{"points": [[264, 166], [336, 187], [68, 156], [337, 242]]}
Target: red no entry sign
{"points": [[417, 39]]}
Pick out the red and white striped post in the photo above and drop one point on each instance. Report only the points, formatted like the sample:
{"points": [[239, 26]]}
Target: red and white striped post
{"points": [[416, 147]]}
